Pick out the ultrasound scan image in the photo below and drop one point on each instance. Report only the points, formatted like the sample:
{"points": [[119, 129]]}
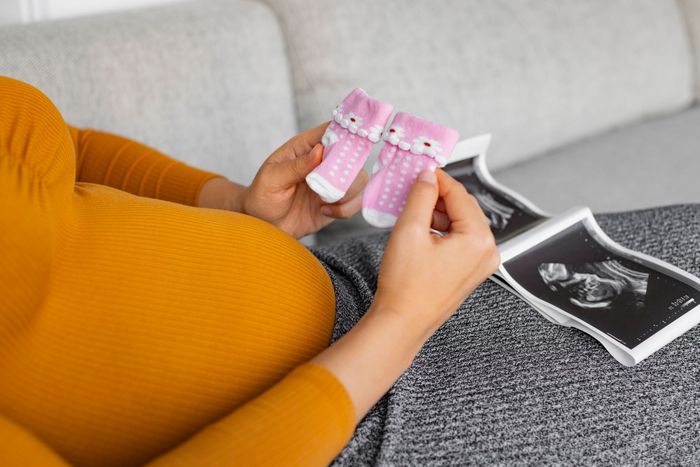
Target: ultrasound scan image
{"points": [[506, 215], [622, 296], [596, 286], [497, 214]]}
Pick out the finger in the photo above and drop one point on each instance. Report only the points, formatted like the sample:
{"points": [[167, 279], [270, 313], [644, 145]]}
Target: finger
{"points": [[299, 145], [288, 173], [420, 202], [440, 221], [306, 140], [343, 210], [315, 156], [357, 186], [462, 208], [313, 136], [440, 205]]}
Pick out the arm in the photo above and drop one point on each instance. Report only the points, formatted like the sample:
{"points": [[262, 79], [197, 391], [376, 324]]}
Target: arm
{"points": [[20, 447], [422, 280], [305, 419], [308, 416], [130, 166], [278, 194]]}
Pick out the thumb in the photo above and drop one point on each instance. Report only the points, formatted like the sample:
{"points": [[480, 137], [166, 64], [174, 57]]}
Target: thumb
{"points": [[293, 171], [421, 201]]}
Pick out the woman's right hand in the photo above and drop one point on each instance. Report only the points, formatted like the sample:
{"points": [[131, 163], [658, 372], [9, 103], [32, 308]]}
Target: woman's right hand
{"points": [[424, 277], [422, 280]]}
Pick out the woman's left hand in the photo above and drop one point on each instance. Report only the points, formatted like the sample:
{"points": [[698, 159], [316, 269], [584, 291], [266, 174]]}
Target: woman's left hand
{"points": [[279, 193]]}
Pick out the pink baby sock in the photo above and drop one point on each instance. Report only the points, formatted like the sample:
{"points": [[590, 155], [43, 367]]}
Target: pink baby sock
{"points": [[411, 145], [357, 123]]}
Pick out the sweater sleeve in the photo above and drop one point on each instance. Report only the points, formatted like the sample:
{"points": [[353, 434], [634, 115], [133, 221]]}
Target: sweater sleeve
{"points": [[305, 419], [130, 166], [21, 447]]}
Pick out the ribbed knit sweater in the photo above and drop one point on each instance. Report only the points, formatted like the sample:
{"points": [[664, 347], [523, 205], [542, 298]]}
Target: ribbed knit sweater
{"points": [[139, 329]]}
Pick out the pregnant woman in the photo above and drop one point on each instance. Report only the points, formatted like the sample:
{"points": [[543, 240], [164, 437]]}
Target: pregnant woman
{"points": [[153, 313]]}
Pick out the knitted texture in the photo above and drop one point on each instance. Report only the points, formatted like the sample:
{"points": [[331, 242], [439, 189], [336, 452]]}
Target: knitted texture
{"points": [[499, 385]]}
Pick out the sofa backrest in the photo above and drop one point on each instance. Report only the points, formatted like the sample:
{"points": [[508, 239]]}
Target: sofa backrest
{"points": [[207, 82], [691, 13], [535, 73]]}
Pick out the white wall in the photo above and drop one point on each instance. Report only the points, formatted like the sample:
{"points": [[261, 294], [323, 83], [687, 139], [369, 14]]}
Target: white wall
{"points": [[15, 11]]}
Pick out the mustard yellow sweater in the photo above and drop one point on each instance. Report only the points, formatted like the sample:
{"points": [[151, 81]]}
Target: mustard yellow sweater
{"points": [[137, 329]]}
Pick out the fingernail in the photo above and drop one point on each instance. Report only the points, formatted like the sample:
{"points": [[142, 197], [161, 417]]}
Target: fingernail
{"points": [[326, 210], [427, 176], [313, 149]]}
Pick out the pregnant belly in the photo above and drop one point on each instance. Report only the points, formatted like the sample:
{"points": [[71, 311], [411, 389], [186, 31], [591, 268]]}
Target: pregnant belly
{"points": [[156, 325]]}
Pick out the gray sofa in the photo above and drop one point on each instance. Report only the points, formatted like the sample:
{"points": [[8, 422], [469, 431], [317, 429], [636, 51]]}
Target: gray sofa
{"points": [[591, 102]]}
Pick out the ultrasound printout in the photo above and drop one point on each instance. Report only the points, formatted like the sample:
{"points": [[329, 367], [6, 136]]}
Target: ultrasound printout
{"points": [[507, 216], [627, 300]]}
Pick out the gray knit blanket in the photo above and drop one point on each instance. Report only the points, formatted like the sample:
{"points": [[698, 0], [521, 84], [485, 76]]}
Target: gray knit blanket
{"points": [[500, 385]]}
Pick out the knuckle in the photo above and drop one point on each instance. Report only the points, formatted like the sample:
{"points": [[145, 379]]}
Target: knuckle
{"points": [[458, 187], [491, 239], [412, 229], [421, 187], [472, 199], [350, 208], [494, 260], [414, 197], [345, 214], [486, 243], [341, 212], [362, 177]]}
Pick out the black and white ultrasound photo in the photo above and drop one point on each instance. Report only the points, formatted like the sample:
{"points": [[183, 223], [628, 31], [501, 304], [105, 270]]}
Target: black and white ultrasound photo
{"points": [[506, 215], [579, 274], [596, 285]]}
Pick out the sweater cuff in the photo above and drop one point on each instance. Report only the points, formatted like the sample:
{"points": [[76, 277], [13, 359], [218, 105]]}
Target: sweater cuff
{"points": [[338, 401], [305, 419], [182, 184], [309, 412]]}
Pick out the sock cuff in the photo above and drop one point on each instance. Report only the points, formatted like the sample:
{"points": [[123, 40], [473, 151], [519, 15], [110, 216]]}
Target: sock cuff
{"points": [[363, 115], [419, 136]]}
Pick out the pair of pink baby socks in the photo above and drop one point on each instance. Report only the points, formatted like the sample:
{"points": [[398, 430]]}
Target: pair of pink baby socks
{"points": [[411, 145]]}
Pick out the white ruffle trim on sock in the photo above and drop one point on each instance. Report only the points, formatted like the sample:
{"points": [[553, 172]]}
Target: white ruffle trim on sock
{"points": [[373, 134]]}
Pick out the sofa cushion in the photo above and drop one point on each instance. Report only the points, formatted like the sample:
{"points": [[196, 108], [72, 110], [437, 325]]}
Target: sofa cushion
{"points": [[536, 73], [206, 82], [653, 163]]}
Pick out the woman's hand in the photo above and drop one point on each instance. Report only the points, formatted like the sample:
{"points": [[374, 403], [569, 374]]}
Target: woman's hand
{"points": [[279, 193], [424, 277], [422, 280]]}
